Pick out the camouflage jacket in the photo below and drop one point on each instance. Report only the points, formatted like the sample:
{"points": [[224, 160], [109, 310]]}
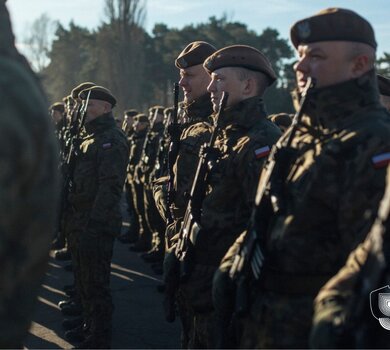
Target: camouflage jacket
{"points": [[334, 183], [136, 144], [348, 292], [99, 175], [243, 143], [195, 133]]}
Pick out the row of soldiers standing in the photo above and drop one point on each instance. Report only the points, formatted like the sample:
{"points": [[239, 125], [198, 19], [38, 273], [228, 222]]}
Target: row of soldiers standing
{"points": [[245, 256]]}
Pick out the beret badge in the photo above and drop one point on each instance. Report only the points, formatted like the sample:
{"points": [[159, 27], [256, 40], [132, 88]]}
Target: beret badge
{"points": [[304, 30]]}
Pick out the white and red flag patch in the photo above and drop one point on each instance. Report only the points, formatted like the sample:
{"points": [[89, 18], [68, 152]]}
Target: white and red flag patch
{"points": [[262, 152], [381, 160]]}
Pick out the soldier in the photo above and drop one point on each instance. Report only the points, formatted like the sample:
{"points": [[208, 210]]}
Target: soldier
{"points": [[57, 113], [132, 233], [321, 197], [342, 317], [128, 121], [98, 180], [244, 139], [29, 188], [195, 128], [141, 124]]}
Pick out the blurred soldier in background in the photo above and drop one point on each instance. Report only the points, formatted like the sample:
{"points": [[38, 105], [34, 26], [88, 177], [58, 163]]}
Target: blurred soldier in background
{"points": [[30, 188]]}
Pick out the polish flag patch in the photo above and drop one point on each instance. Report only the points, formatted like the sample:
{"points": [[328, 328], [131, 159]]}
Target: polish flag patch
{"points": [[107, 145], [381, 160], [262, 152]]}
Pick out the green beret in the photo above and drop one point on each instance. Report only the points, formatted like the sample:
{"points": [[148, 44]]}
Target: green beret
{"points": [[194, 54], [240, 56], [76, 91], [98, 93], [131, 112], [333, 24], [57, 106], [141, 118], [384, 85]]}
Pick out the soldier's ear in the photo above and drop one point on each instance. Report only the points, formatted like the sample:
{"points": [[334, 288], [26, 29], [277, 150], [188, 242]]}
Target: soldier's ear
{"points": [[249, 86]]}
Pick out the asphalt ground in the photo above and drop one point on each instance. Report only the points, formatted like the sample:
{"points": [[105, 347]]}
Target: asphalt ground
{"points": [[138, 320]]}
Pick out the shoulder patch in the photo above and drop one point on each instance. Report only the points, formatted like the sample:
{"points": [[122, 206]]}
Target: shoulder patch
{"points": [[381, 160], [262, 152], [107, 145]]}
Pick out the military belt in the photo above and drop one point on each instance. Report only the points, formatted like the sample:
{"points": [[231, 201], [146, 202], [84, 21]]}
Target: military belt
{"points": [[288, 283]]}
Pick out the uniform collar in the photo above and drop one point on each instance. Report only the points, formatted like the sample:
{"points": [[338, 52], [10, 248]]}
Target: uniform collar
{"points": [[332, 108], [105, 121], [199, 109], [244, 114]]}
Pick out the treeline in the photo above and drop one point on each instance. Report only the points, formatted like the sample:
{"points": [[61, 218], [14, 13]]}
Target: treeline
{"points": [[139, 67]]}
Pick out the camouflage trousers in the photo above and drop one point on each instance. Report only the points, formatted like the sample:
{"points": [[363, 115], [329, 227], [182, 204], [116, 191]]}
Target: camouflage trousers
{"points": [[131, 204], [95, 254], [145, 235], [154, 220]]}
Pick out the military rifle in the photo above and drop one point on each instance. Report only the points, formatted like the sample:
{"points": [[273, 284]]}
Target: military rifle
{"points": [[69, 164], [249, 261], [190, 228], [174, 133]]}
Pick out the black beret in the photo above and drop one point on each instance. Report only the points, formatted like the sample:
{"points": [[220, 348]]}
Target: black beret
{"points": [[131, 112], [194, 54], [57, 106], [240, 56], [98, 93], [384, 85], [333, 24], [76, 91]]}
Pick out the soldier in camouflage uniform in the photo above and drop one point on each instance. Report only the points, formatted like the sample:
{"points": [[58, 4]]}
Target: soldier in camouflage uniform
{"points": [[244, 139], [30, 188], [141, 124], [72, 305], [323, 198], [98, 180], [195, 127], [131, 235], [342, 317], [154, 221]]}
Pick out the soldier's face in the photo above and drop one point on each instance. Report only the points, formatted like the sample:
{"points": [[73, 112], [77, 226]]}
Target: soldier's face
{"points": [[329, 62], [139, 126], [226, 79], [96, 108], [193, 81]]}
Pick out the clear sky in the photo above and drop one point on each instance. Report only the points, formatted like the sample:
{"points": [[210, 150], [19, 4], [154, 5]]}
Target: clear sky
{"points": [[256, 14]]}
